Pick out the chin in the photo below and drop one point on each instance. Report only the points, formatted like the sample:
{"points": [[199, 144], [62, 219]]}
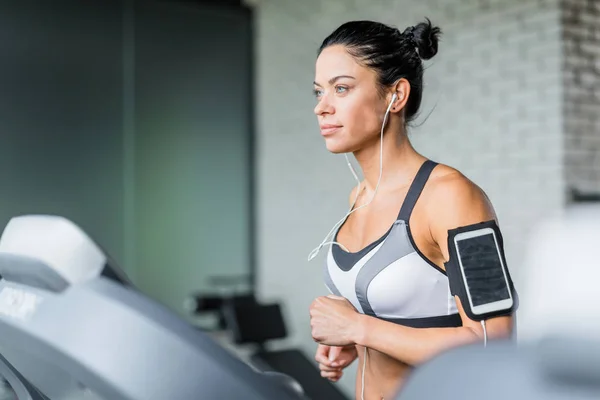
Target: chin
{"points": [[337, 146], [338, 149]]}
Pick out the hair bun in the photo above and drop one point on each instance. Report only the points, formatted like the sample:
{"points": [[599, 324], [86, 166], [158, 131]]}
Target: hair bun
{"points": [[426, 38]]}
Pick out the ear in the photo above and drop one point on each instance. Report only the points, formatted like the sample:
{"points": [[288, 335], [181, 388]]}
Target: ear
{"points": [[402, 90]]}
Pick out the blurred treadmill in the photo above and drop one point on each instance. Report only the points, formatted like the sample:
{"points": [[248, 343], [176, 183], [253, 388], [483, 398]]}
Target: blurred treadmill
{"points": [[72, 332]]}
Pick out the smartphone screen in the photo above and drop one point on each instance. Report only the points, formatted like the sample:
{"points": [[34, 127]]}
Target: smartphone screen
{"points": [[483, 269]]}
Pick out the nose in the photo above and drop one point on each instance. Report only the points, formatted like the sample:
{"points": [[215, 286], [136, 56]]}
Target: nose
{"points": [[324, 106]]}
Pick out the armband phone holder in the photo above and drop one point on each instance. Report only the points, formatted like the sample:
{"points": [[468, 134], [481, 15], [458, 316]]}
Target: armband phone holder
{"points": [[455, 276]]}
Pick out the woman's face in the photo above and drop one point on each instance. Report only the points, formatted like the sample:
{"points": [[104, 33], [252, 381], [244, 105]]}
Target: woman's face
{"points": [[350, 107]]}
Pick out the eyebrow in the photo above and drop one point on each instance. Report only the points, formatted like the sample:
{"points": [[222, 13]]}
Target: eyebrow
{"points": [[335, 78]]}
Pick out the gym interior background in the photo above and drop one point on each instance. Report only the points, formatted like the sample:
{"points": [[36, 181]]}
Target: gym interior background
{"points": [[181, 134]]}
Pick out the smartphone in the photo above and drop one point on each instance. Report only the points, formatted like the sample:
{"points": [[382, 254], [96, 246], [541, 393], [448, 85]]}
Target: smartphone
{"points": [[483, 271]]}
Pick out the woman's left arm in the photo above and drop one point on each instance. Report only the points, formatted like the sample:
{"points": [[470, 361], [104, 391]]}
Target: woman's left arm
{"points": [[464, 204]]}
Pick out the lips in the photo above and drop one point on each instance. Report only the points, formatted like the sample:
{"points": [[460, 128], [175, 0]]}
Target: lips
{"points": [[328, 129]]}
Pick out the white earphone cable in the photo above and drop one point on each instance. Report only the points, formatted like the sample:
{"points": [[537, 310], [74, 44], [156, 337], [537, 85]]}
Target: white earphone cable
{"points": [[314, 253]]}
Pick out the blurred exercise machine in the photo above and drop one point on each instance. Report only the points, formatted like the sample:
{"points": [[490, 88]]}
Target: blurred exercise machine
{"points": [[72, 328], [256, 325]]}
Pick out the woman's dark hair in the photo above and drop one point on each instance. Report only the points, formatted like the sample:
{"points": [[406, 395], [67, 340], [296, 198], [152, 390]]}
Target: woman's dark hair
{"points": [[391, 53]]}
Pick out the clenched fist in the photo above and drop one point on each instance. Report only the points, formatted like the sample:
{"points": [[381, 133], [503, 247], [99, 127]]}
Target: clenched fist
{"points": [[333, 359], [333, 321]]}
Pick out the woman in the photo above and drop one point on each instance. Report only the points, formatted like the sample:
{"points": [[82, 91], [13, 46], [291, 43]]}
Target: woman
{"points": [[368, 85]]}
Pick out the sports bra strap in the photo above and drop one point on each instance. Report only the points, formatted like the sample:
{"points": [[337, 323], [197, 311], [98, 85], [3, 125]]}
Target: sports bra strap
{"points": [[415, 189]]}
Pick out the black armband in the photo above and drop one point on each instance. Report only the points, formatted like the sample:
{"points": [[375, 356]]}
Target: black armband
{"points": [[478, 273]]}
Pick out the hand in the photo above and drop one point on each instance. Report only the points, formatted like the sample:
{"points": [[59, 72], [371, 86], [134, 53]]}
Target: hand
{"points": [[333, 359], [333, 320]]}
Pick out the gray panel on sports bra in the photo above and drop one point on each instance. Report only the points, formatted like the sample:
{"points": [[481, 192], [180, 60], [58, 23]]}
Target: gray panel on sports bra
{"points": [[395, 246]]}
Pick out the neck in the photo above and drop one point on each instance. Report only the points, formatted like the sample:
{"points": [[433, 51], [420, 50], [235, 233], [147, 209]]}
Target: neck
{"points": [[400, 162]]}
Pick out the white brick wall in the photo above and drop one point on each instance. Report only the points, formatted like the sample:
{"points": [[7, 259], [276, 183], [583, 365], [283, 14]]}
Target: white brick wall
{"points": [[581, 62], [497, 90]]}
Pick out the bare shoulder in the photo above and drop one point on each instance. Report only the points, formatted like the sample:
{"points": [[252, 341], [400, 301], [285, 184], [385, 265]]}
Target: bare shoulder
{"points": [[454, 200]]}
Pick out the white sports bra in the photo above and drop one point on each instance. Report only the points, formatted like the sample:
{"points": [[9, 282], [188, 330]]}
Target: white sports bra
{"points": [[391, 279]]}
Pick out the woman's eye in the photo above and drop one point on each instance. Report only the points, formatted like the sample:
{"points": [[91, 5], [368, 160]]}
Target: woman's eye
{"points": [[338, 89]]}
